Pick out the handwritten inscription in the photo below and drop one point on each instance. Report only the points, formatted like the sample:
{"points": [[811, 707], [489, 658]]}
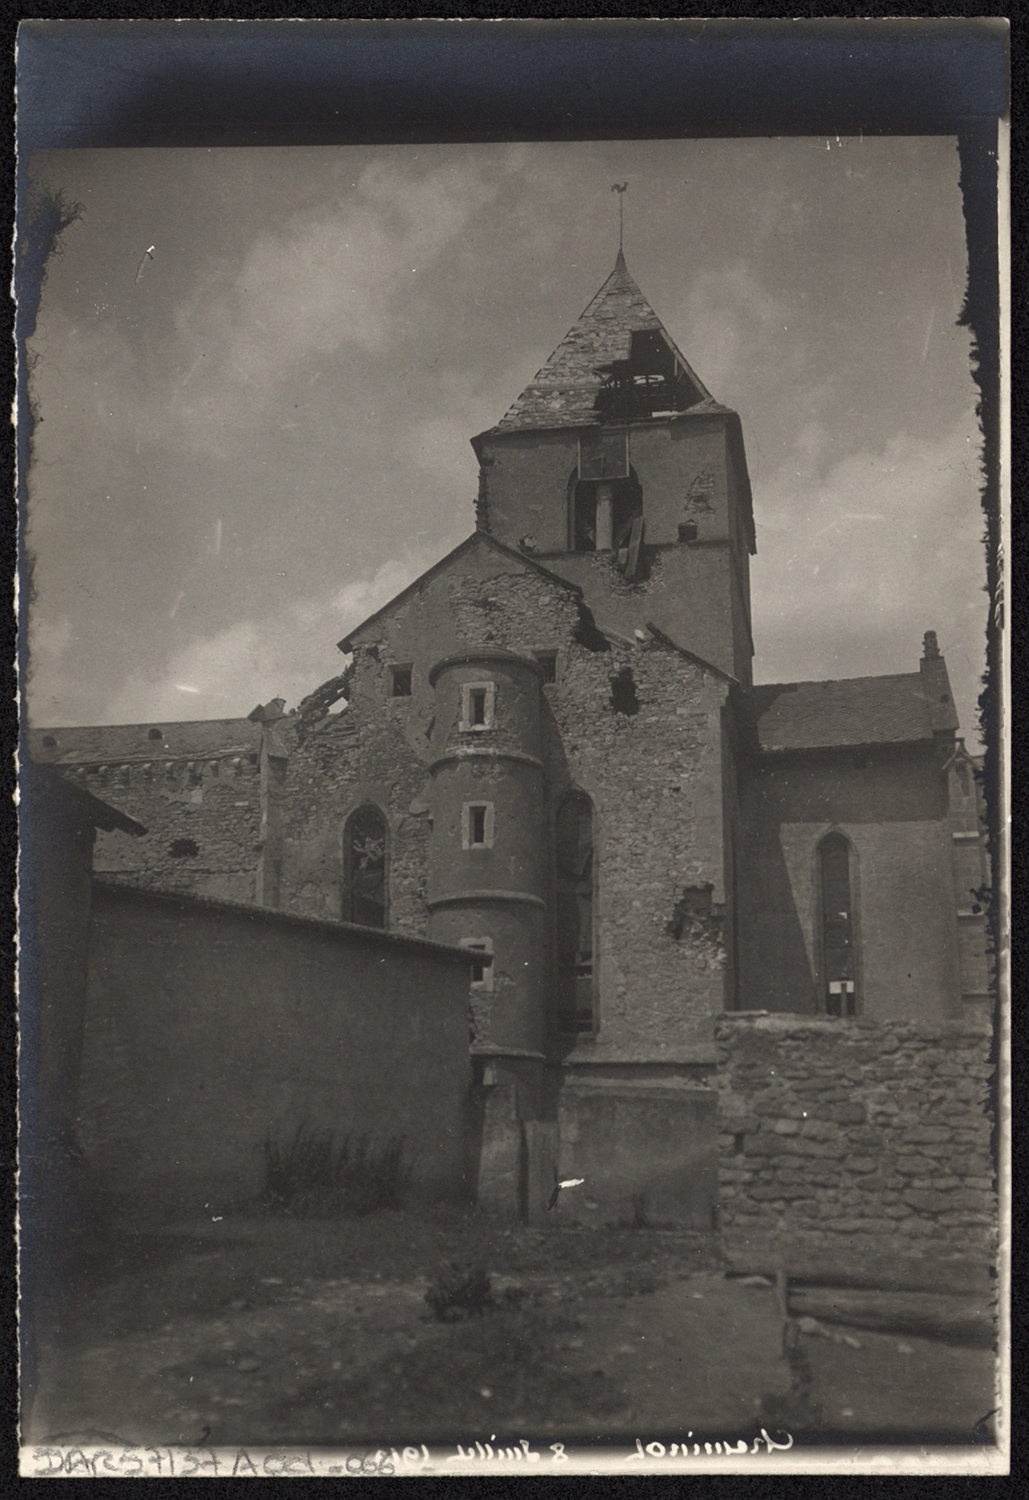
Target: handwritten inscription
{"points": [[761, 1444], [140, 1462]]}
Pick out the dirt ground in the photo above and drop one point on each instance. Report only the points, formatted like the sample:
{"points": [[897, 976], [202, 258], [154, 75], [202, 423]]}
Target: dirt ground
{"points": [[264, 1330]]}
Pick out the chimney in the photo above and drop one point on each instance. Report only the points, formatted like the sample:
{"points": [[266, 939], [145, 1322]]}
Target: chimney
{"points": [[936, 686]]}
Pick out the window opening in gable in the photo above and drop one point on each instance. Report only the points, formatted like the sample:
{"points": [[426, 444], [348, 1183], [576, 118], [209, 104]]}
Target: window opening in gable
{"points": [[400, 681], [575, 897], [839, 976], [482, 964], [365, 841], [623, 693], [183, 849], [548, 665]]}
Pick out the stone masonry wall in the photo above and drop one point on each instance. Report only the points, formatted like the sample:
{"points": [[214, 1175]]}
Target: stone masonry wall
{"points": [[653, 773], [195, 786], [855, 1137], [654, 777], [202, 819]]}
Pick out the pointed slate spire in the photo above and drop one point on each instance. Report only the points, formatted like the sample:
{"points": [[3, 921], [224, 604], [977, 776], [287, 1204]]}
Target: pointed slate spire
{"points": [[564, 392]]}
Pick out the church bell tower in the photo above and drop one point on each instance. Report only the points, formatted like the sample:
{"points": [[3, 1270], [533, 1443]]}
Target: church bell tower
{"points": [[618, 469]]}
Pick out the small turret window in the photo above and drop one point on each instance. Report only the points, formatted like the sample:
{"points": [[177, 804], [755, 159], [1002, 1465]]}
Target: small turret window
{"points": [[478, 703], [482, 966], [400, 681], [477, 825]]}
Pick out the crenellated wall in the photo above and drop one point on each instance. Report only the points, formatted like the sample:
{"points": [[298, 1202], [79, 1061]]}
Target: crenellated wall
{"points": [[195, 787]]}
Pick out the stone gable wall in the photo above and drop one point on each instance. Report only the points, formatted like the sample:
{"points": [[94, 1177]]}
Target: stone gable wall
{"points": [[654, 776], [863, 1138]]}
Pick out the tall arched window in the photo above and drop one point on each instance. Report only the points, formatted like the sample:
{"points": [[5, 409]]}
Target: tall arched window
{"points": [[364, 867], [576, 976], [839, 975]]}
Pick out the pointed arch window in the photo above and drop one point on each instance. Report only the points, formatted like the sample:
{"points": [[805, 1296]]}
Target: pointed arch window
{"points": [[575, 903], [365, 846], [839, 969]]}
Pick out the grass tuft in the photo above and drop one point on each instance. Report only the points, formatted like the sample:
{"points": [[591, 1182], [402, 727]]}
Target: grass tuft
{"points": [[310, 1177]]}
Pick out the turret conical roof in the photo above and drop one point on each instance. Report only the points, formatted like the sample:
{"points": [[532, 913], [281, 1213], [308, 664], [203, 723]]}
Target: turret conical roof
{"points": [[564, 392]]}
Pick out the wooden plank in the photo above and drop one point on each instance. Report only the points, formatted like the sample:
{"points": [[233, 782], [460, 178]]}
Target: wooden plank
{"points": [[922, 1314], [541, 1167], [819, 1265], [632, 560]]}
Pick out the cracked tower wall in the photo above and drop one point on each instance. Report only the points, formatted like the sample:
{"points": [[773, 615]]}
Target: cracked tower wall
{"points": [[695, 497]]}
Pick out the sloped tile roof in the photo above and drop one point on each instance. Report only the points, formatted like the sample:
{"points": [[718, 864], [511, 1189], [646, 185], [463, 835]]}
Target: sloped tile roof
{"points": [[41, 784], [109, 743], [564, 391], [854, 711]]}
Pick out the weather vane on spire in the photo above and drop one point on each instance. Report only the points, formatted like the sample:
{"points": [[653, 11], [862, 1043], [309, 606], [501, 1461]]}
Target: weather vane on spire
{"points": [[620, 188]]}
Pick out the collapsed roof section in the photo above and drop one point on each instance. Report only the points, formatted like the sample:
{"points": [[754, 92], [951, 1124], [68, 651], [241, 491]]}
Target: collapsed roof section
{"points": [[617, 364]]}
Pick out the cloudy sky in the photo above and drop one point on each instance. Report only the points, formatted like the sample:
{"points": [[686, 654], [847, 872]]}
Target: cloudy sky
{"points": [[258, 433]]}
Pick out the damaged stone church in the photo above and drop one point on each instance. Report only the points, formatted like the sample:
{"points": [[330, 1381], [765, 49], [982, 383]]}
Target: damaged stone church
{"points": [[549, 751]]}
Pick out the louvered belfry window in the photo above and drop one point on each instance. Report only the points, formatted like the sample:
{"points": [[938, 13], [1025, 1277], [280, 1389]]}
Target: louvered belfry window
{"points": [[604, 455]]}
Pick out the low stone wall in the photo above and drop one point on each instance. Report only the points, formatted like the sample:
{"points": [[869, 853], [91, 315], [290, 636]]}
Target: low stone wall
{"points": [[854, 1141]]}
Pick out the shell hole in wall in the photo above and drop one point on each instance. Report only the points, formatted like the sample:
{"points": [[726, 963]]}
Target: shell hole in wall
{"points": [[183, 849]]}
